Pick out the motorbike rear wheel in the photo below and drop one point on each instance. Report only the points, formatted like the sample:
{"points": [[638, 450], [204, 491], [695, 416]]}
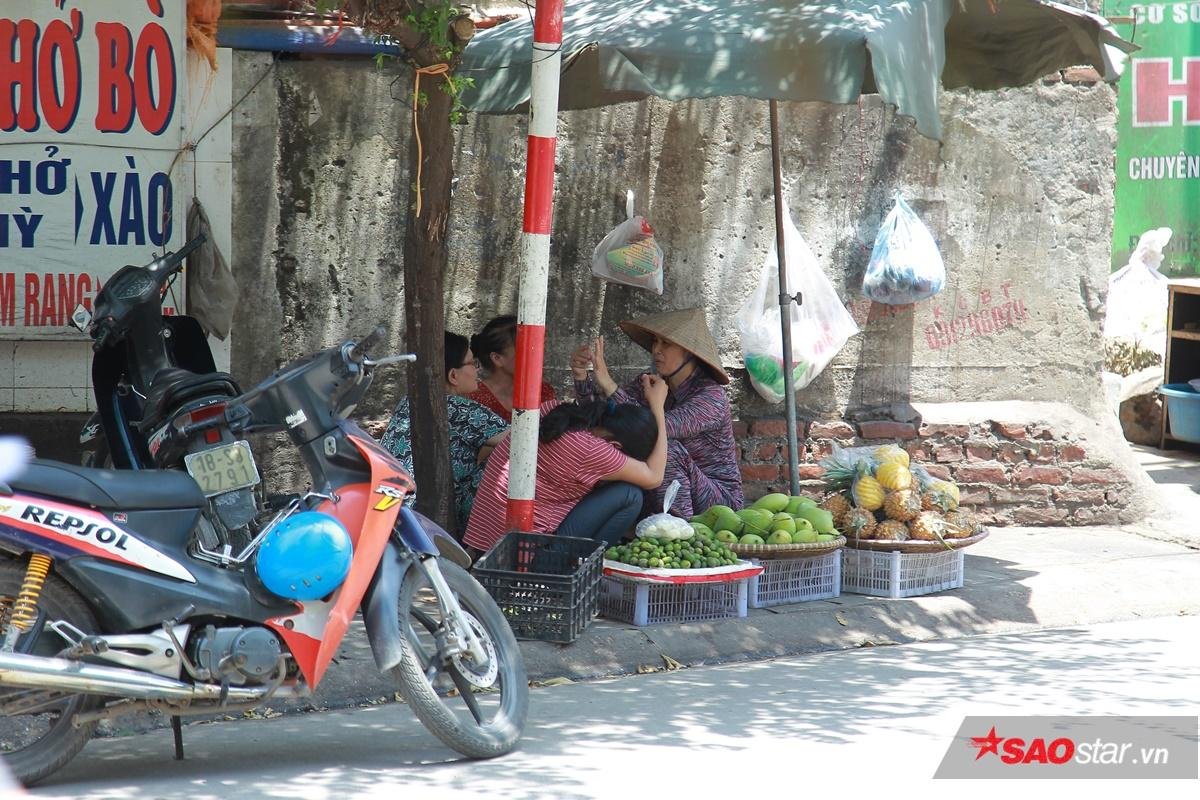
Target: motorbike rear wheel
{"points": [[36, 734], [478, 710]]}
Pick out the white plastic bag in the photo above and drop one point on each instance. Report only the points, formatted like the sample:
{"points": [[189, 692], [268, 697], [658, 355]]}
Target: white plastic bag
{"points": [[665, 525], [820, 324], [629, 254], [905, 264], [1137, 295]]}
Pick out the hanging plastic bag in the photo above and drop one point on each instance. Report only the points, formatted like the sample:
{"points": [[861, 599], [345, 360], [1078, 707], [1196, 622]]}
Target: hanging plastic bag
{"points": [[905, 264], [1137, 296], [665, 525], [629, 254], [820, 324]]}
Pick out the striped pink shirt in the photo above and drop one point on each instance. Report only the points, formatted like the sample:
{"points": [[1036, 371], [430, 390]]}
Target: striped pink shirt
{"points": [[568, 468]]}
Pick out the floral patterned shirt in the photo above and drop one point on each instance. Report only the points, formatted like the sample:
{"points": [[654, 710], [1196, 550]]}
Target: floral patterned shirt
{"points": [[471, 425]]}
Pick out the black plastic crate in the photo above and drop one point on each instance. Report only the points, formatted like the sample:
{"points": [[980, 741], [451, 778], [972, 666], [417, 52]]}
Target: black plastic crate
{"points": [[547, 586]]}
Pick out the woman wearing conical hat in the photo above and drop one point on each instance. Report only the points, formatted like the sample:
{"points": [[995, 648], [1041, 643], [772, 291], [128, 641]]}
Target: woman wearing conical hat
{"points": [[701, 453]]}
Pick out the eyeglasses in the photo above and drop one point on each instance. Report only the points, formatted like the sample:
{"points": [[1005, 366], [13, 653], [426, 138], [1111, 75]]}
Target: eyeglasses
{"points": [[472, 363]]}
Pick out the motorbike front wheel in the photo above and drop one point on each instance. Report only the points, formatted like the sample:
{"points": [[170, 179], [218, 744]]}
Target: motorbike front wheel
{"points": [[477, 709]]}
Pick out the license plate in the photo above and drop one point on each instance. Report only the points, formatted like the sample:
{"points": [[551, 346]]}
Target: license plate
{"points": [[223, 469]]}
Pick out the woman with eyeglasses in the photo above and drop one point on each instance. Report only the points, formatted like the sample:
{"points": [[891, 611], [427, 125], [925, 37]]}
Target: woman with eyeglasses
{"points": [[474, 430]]}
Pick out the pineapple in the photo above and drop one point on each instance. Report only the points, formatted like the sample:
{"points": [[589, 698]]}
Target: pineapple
{"points": [[892, 452], [961, 525], [894, 476], [841, 470], [860, 524], [837, 505], [902, 505], [892, 531], [940, 495], [866, 491], [928, 527]]}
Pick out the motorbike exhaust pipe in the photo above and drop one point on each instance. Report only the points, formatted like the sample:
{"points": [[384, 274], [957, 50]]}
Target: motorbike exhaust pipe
{"points": [[59, 674]]}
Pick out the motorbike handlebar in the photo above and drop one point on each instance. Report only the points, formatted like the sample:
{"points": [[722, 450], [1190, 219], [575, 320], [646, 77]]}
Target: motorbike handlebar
{"points": [[169, 263], [359, 351]]}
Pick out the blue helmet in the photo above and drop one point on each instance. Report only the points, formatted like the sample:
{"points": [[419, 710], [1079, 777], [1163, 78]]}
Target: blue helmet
{"points": [[305, 557]]}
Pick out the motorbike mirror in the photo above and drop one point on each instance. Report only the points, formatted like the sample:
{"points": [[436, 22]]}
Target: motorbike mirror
{"points": [[81, 318]]}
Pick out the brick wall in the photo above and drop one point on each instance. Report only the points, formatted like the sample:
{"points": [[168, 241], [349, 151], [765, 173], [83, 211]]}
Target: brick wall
{"points": [[1011, 473]]}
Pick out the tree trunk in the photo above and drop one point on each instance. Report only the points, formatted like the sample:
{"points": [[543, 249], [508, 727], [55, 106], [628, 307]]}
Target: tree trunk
{"points": [[425, 260]]}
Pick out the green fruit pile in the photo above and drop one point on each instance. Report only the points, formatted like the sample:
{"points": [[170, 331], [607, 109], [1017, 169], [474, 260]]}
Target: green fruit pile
{"points": [[701, 551], [773, 519]]}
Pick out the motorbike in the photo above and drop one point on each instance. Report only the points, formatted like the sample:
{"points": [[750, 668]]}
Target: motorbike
{"points": [[145, 364], [153, 375], [111, 601]]}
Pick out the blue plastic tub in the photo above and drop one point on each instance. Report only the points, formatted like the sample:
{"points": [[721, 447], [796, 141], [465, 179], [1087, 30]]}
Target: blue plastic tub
{"points": [[1183, 411]]}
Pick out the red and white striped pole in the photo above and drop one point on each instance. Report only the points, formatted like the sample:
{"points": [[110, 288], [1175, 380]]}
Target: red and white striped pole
{"points": [[531, 309]]}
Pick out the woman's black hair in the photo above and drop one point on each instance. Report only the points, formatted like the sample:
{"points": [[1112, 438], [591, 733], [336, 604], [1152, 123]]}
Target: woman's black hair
{"points": [[456, 352], [632, 426], [496, 336]]}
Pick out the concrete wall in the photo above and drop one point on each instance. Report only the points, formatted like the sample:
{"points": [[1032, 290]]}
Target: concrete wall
{"points": [[1019, 197]]}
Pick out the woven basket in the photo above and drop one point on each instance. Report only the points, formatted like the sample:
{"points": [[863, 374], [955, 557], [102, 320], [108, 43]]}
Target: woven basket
{"points": [[765, 551], [915, 546]]}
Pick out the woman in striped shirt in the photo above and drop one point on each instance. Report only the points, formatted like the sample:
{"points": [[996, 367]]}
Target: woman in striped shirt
{"points": [[701, 452], [594, 460]]}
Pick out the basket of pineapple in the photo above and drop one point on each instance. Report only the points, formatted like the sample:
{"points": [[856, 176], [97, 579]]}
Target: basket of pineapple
{"points": [[883, 501]]}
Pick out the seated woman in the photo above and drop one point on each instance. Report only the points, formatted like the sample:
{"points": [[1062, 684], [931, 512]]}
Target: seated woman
{"points": [[496, 347], [594, 460], [701, 453], [474, 430]]}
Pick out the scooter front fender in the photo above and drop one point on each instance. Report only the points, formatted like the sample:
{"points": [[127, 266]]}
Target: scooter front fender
{"points": [[380, 606]]}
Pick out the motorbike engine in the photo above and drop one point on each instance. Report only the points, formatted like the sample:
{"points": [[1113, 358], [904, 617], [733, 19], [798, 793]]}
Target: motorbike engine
{"points": [[243, 655]]}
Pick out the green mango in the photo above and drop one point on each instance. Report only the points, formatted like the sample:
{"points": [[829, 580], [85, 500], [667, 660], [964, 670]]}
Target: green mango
{"points": [[729, 537], [758, 517], [796, 503], [779, 537], [752, 538], [702, 529], [805, 537], [826, 537], [804, 525], [782, 522], [772, 502], [725, 518], [822, 520]]}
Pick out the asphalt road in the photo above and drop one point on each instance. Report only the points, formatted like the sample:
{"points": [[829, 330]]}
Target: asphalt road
{"points": [[867, 723]]}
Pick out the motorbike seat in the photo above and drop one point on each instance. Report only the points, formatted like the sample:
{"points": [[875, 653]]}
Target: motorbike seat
{"points": [[133, 490], [173, 387]]}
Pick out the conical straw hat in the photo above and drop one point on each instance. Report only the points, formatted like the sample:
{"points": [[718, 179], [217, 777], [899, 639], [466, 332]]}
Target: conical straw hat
{"points": [[687, 328]]}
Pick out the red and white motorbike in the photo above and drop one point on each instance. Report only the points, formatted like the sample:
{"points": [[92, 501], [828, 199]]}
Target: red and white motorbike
{"points": [[114, 599]]}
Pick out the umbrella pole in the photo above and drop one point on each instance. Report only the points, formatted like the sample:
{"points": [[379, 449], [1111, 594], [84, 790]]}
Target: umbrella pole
{"points": [[785, 303]]}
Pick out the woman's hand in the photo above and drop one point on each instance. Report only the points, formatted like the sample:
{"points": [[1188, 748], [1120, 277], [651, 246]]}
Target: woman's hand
{"points": [[593, 354], [654, 389], [581, 361]]}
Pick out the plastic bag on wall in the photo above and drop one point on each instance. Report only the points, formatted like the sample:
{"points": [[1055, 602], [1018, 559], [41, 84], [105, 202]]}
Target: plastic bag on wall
{"points": [[1137, 295], [905, 264], [629, 255], [820, 325]]}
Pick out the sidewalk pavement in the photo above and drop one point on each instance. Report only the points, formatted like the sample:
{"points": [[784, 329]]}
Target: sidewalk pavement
{"points": [[1018, 579]]}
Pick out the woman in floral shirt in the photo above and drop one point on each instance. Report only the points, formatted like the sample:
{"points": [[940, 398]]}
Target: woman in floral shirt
{"points": [[701, 452], [474, 430]]}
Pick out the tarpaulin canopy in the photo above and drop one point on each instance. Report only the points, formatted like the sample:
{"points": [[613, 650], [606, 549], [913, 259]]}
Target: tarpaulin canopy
{"points": [[793, 50], [796, 50]]}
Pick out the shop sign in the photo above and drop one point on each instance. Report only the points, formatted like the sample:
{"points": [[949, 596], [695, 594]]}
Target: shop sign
{"points": [[91, 120]]}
